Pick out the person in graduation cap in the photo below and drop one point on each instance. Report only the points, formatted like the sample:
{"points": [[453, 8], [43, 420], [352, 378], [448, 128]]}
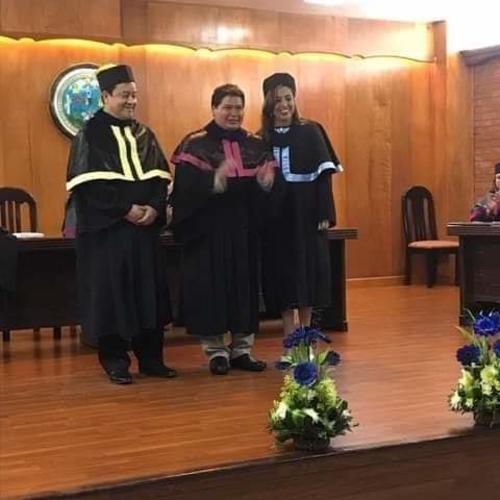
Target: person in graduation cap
{"points": [[296, 266], [117, 177], [223, 177], [487, 209]]}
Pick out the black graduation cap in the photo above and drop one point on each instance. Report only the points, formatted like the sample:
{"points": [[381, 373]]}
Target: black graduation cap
{"points": [[497, 169], [277, 79], [112, 74]]}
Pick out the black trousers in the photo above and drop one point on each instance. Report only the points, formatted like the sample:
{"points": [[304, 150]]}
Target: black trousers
{"points": [[147, 347]]}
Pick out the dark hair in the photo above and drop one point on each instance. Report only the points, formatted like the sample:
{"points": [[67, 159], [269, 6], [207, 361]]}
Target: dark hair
{"points": [[228, 89], [267, 117]]}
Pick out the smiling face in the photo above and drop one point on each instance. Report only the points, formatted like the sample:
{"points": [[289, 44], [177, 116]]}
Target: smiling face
{"points": [[228, 114], [284, 106], [122, 101]]}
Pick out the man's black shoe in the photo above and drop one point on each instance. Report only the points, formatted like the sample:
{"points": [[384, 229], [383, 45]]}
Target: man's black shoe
{"points": [[157, 370], [219, 365], [116, 367], [120, 377], [245, 362]]}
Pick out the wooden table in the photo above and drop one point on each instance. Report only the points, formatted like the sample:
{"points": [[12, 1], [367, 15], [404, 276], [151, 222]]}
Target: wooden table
{"points": [[46, 283], [479, 256]]}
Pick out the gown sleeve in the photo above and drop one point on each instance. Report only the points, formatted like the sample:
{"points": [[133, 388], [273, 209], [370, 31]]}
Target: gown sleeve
{"points": [[326, 203], [159, 196], [192, 190]]}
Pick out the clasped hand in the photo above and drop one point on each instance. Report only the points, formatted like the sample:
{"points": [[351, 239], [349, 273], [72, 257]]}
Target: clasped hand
{"points": [[141, 215]]}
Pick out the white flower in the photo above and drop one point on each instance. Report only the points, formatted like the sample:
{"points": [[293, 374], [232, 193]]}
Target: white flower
{"points": [[486, 388], [469, 403], [490, 378], [312, 413], [281, 410], [467, 380], [455, 401]]}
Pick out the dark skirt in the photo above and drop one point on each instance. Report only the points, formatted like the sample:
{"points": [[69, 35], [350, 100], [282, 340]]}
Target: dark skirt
{"points": [[296, 259], [121, 281]]}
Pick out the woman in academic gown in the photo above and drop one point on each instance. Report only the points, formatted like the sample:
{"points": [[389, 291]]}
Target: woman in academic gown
{"points": [[296, 266]]}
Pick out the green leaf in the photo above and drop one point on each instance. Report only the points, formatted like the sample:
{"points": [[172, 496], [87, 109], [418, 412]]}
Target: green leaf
{"points": [[321, 357]]}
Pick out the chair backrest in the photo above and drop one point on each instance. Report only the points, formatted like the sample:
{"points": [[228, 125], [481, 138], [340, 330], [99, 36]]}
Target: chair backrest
{"points": [[11, 200], [419, 219]]}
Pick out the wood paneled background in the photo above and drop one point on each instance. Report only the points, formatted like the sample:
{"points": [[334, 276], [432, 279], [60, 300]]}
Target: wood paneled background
{"points": [[395, 122]]}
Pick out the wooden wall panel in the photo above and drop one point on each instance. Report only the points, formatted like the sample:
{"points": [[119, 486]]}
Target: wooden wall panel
{"points": [[78, 18], [199, 26], [146, 21], [459, 171], [402, 119], [389, 118], [438, 116]]}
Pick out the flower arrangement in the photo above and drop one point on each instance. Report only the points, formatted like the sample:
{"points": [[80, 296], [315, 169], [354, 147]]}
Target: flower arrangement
{"points": [[309, 410], [478, 389]]}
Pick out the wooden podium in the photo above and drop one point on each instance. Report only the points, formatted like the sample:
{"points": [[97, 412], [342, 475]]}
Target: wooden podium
{"points": [[479, 256]]}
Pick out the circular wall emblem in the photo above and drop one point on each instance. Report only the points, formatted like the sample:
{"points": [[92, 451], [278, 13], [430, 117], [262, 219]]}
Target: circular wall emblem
{"points": [[74, 97]]}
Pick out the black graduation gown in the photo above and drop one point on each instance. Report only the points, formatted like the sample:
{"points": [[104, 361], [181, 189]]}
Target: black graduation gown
{"points": [[219, 232], [296, 264], [122, 286]]}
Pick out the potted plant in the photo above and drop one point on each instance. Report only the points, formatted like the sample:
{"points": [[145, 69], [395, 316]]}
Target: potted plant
{"points": [[478, 389], [308, 410]]}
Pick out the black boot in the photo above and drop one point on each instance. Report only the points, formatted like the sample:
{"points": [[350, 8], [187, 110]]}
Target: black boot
{"points": [[114, 359], [148, 348]]}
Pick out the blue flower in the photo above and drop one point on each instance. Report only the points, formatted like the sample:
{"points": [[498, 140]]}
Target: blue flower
{"points": [[306, 335], [282, 365], [487, 324], [496, 348], [333, 358], [313, 335], [468, 354], [305, 373]]}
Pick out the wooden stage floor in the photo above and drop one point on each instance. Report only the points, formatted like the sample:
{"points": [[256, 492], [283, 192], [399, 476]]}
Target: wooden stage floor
{"points": [[64, 428]]}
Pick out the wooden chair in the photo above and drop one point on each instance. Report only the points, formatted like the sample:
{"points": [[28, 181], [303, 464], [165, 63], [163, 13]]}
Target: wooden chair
{"points": [[419, 223], [11, 201], [11, 211]]}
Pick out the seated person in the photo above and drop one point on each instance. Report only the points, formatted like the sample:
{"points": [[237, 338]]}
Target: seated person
{"points": [[487, 209]]}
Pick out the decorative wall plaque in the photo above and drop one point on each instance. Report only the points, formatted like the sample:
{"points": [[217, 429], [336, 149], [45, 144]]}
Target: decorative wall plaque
{"points": [[74, 97]]}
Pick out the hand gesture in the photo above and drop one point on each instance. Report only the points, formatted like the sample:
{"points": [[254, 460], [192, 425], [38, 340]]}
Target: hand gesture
{"points": [[323, 225], [265, 176], [226, 168]]}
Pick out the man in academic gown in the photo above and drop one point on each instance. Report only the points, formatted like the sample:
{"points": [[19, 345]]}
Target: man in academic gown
{"points": [[224, 175], [118, 177]]}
